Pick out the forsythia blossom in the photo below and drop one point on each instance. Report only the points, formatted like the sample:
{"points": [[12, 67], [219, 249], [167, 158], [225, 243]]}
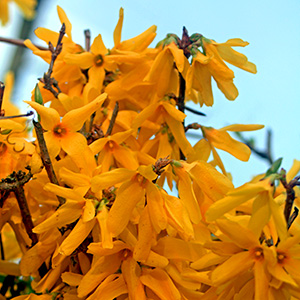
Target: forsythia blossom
{"points": [[85, 209]]}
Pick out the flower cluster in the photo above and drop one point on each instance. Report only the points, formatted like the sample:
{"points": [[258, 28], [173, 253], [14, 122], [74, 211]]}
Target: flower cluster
{"points": [[85, 208]]}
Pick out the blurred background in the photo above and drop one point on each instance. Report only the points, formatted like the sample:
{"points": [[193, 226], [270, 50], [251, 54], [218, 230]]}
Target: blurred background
{"points": [[270, 97]]}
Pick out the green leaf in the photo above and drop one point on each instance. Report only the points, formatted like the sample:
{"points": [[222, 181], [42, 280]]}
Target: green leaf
{"points": [[38, 95], [275, 167], [38, 98], [5, 131]]}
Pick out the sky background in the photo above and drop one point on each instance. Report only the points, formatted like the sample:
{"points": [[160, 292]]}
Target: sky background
{"points": [[270, 97]]}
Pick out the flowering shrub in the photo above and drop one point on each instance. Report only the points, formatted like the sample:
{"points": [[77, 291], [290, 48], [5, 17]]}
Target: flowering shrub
{"points": [[85, 211]]}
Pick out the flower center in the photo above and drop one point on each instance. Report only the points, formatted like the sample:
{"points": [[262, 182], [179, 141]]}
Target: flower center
{"points": [[258, 253], [3, 148], [59, 130], [98, 60], [280, 257]]}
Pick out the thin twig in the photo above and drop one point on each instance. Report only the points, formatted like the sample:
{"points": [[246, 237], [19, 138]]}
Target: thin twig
{"points": [[18, 42], [46, 158], [290, 196], [87, 34], [25, 213], [30, 113], [192, 126], [50, 82], [266, 154], [112, 120], [2, 87], [194, 111]]}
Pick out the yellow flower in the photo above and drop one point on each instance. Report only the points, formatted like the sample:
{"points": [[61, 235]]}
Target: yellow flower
{"points": [[163, 69], [98, 60], [244, 257], [110, 149], [263, 206], [165, 112], [136, 44], [220, 138], [211, 64], [62, 133]]}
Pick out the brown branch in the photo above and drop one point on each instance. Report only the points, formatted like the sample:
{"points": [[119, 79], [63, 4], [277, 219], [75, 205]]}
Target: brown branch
{"points": [[112, 120], [2, 87], [25, 213], [30, 113], [192, 126], [18, 42], [290, 197], [194, 111], [87, 35], [50, 83], [265, 154], [46, 158]]}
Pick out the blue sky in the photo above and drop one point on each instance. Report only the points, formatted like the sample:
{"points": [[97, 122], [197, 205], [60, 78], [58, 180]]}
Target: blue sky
{"points": [[271, 97]]}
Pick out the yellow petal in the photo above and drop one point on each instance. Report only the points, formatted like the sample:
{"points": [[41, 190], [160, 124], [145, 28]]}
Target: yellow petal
{"points": [[75, 118], [145, 236], [228, 88], [66, 214], [128, 195], [110, 178], [64, 19], [10, 124], [208, 260], [140, 42], [173, 111], [63, 192], [73, 179], [177, 130], [49, 116], [147, 172], [73, 143], [241, 236], [214, 184], [88, 211], [110, 288], [118, 29], [236, 265], [53, 144], [156, 208], [106, 236], [71, 279], [178, 56], [187, 195], [261, 213], [98, 46], [76, 237], [144, 115], [242, 127], [222, 140], [96, 77], [175, 248], [160, 283], [83, 60], [131, 272]]}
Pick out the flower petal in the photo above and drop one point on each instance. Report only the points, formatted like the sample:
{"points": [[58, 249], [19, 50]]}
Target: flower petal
{"points": [[128, 195], [118, 29], [98, 46], [73, 143], [236, 265], [84, 60], [75, 118], [49, 116]]}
